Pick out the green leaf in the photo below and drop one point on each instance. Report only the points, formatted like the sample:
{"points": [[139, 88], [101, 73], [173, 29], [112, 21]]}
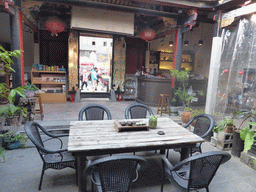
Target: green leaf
{"points": [[244, 132], [249, 140]]}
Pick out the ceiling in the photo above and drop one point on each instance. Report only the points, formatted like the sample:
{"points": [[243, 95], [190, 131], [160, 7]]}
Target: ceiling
{"points": [[154, 14]]}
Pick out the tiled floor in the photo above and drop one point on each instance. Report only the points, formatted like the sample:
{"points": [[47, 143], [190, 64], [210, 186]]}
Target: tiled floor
{"points": [[22, 169]]}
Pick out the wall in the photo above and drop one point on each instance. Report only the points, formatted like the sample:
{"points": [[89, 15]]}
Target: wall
{"points": [[5, 32], [202, 53]]}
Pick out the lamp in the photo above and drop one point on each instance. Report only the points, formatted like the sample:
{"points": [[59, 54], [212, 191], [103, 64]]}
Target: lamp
{"points": [[54, 25], [200, 42], [170, 43], [186, 42], [147, 34]]}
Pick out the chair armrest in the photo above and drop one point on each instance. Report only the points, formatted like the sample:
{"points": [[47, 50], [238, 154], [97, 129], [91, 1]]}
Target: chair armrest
{"points": [[167, 163], [61, 142]]}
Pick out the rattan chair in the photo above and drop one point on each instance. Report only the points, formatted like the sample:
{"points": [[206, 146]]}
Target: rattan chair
{"points": [[94, 112], [52, 159], [195, 172], [203, 125], [137, 111], [115, 173]]}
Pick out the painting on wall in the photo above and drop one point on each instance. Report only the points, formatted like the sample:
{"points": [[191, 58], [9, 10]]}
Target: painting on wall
{"points": [[119, 63], [73, 61]]}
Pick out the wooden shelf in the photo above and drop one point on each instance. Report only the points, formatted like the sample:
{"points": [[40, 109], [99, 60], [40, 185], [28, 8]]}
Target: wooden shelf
{"points": [[39, 71], [50, 83], [47, 80]]}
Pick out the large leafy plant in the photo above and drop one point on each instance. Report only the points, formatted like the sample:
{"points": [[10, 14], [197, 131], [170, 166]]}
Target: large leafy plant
{"points": [[247, 134], [9, 111], [182, 92]]}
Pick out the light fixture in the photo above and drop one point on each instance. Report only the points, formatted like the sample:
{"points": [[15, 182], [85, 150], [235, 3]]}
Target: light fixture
{"points": [[200, 42], [186, 41], [170, 43]]}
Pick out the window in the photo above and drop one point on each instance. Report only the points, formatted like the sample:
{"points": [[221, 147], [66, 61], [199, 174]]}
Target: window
{"points": [[93, 43], [104, 43]]}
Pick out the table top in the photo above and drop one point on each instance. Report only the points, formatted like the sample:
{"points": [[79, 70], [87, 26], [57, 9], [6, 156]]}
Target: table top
{"points": [[100, 137]]}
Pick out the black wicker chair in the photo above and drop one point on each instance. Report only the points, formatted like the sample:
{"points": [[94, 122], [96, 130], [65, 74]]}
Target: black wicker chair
{"points": [[203, 126], [137, 111], [54, 159], [195, 172], [94, 112], [115, 173]]}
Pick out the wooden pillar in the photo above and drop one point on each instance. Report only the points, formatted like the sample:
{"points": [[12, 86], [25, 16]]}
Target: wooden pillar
{"points": [[17, 43]]}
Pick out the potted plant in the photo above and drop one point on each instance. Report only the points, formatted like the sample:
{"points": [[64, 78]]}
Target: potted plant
{"points": [[10, 113], [217, 128], [13, 139], [228, 125], [30, 90], [248, 134], [183, 93]]}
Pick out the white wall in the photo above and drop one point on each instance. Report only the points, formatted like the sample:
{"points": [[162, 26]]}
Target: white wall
{"points": [[202, 53], [5, 32]]}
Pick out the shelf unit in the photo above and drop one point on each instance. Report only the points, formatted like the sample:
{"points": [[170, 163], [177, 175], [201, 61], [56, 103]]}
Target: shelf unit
{"points": [[52, 85], [166, 61]]}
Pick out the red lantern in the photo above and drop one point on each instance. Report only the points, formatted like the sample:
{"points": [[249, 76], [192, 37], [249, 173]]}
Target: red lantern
{"points": [[55, 25], [240, 72], [147, 34], [226, 71]]}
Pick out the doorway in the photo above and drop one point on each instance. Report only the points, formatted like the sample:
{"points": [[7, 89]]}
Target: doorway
{"points": [[95, 56]]}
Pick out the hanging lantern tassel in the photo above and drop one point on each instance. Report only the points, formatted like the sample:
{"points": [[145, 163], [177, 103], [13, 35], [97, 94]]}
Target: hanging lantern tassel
{"points": [[240, 72], [147, 34], [54, 25]]}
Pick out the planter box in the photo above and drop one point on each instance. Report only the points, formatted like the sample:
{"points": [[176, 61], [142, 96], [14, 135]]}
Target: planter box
{"points": [[12, 145]]}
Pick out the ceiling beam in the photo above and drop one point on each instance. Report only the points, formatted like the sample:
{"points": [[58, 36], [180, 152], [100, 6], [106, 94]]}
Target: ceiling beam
{"points": [[115, 7]]}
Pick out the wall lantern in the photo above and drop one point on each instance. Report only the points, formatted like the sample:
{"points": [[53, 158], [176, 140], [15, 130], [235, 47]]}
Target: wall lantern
{"points": [[186, 41], [170, 43], [200, 42], [147, 34], [240, 72], [54, 25], [225, 71]]}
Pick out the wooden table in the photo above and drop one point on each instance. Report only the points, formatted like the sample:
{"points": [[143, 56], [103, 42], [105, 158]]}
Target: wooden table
{"points": [[90, 138]]}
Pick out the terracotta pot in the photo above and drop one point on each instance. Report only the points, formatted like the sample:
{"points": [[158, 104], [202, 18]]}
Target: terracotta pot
{"points": [[228, 129], [186, 116]]}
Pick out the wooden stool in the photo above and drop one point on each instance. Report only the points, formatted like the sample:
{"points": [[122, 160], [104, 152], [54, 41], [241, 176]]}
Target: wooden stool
{"points": [[40, 109], [164, 104]]}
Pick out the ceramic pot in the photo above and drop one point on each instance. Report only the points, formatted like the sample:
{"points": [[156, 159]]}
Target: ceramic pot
{"points": [[186, 116], [12, 145], [228, 129], [215, 135]]}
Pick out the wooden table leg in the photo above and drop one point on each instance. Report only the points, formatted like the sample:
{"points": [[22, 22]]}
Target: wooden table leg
{"points": [[81, 164], [184, 153]]}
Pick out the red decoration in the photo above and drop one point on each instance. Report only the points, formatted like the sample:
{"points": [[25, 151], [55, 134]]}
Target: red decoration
{"points": [[226, 71], [240, 72], [55, 25], [147, 34]]}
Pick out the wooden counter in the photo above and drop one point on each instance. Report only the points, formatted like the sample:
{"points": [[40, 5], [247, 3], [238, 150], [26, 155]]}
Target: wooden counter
{"points": [[149, 90]]}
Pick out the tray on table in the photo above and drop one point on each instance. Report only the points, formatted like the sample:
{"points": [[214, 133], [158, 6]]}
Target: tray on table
{"points": [[133, 127]]}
